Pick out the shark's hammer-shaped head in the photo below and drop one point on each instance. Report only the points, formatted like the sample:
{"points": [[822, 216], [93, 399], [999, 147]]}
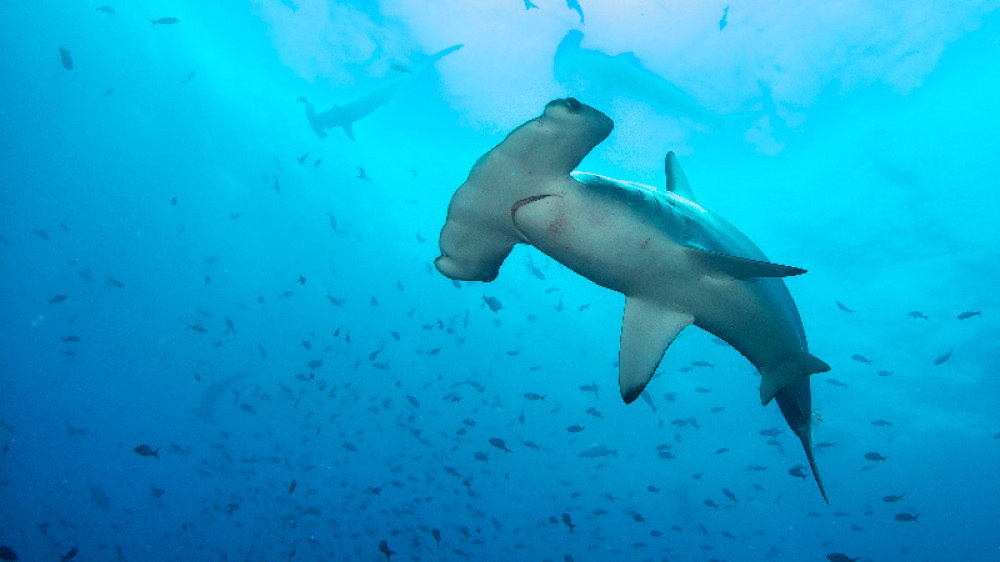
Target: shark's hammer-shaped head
{"points": [[533, 161]]}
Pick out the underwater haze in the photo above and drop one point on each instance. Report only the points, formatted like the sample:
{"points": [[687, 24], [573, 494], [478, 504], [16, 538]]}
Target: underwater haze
{"points": [[223, 336]]}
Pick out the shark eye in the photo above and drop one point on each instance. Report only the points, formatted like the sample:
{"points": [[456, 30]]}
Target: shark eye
{"points": [[573, 103]]}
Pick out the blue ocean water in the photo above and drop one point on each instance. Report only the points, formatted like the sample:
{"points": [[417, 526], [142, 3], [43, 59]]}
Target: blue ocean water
{"points": [[187, 265]]}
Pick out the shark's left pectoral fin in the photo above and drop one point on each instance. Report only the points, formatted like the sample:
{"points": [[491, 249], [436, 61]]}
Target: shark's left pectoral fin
{"points": [[647, 332], [349, 130], [742, 268]]}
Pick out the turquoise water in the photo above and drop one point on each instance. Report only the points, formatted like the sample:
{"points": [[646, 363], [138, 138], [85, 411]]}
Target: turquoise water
{"points": [[186, 264]]}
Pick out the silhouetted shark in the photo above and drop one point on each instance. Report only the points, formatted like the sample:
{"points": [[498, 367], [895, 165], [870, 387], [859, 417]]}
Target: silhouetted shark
{"points": [[346, 114]]}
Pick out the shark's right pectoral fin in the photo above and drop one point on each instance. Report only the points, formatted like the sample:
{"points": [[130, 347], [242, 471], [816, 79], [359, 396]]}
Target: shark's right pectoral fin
{"points": [[647, 332]]}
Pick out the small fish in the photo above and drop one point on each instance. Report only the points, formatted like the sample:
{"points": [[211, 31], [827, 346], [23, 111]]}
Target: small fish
{"points": [[918, 314], [413, 400], [730, 495], [835, 382], [893, 498], [400, 67], [969, 314], [569, 522], [574, 428], [861, 359], [291, 487], [106, 10], [58, 299], [197, 328], [592, 387], [362, 175], [535, 396], [907, 517], [723, 22], [711, 504], [756, 468], [499, 444], [164, 21], [302, 160], [653, 489], [301, 280], [595, 412], [492, 302], [843, 307], [598, 451], [841, 557], [481, 456], [943, 358], [70, 339], [115, 283], [69, 555], [798, 471], [876, 457], [882, 423], [383, 547], [146, 451], [66, 58]]}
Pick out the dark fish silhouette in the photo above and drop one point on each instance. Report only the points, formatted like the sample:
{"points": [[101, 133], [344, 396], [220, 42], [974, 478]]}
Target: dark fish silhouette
{"points": [[569, 522], [291, 487], [918, 314], [437, 536], [106, 10], [969, 314], [843, 307], [69, 555], [907, 517], [383, 547], [66, 58], [492, 302], [535, 396], [893, 498], [146, 451], [58, 299], [861, 359], [723, 22], [164, 21], [574, 428], [840, 557], [499, 444], [7, 555], [876, 457], [943, 358]]}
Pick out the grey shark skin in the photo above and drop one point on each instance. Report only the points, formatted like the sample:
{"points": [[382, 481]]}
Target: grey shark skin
{"points": [[676, 262], [345, 115], [625, 73]]}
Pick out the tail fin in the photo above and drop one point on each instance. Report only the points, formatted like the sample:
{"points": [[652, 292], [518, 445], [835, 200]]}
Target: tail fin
{"points": [[795, 402]]}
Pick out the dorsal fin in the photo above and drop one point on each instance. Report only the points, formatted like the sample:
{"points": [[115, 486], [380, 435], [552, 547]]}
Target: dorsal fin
{"points": [[676, 180]]}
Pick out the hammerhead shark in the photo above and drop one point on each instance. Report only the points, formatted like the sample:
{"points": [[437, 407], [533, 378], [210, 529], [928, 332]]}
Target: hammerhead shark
{"points": [[346, 114], [625, 73], [676, 262]]}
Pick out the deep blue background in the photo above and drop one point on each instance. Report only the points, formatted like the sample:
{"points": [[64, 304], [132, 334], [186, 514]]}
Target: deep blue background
{"points": [[860, 145]]}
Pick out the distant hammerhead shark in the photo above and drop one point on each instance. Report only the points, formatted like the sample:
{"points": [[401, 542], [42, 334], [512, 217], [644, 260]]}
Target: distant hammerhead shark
{"points": [[345, 115], [676, 262], [625, 73]]}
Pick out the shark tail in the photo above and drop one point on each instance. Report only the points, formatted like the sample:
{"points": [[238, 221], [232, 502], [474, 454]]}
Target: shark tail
{"points": [[811, 457]]}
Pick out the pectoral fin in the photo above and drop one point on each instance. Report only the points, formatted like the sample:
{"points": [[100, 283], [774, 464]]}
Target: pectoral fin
{"points": [[647, 332], [742, 268]]}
